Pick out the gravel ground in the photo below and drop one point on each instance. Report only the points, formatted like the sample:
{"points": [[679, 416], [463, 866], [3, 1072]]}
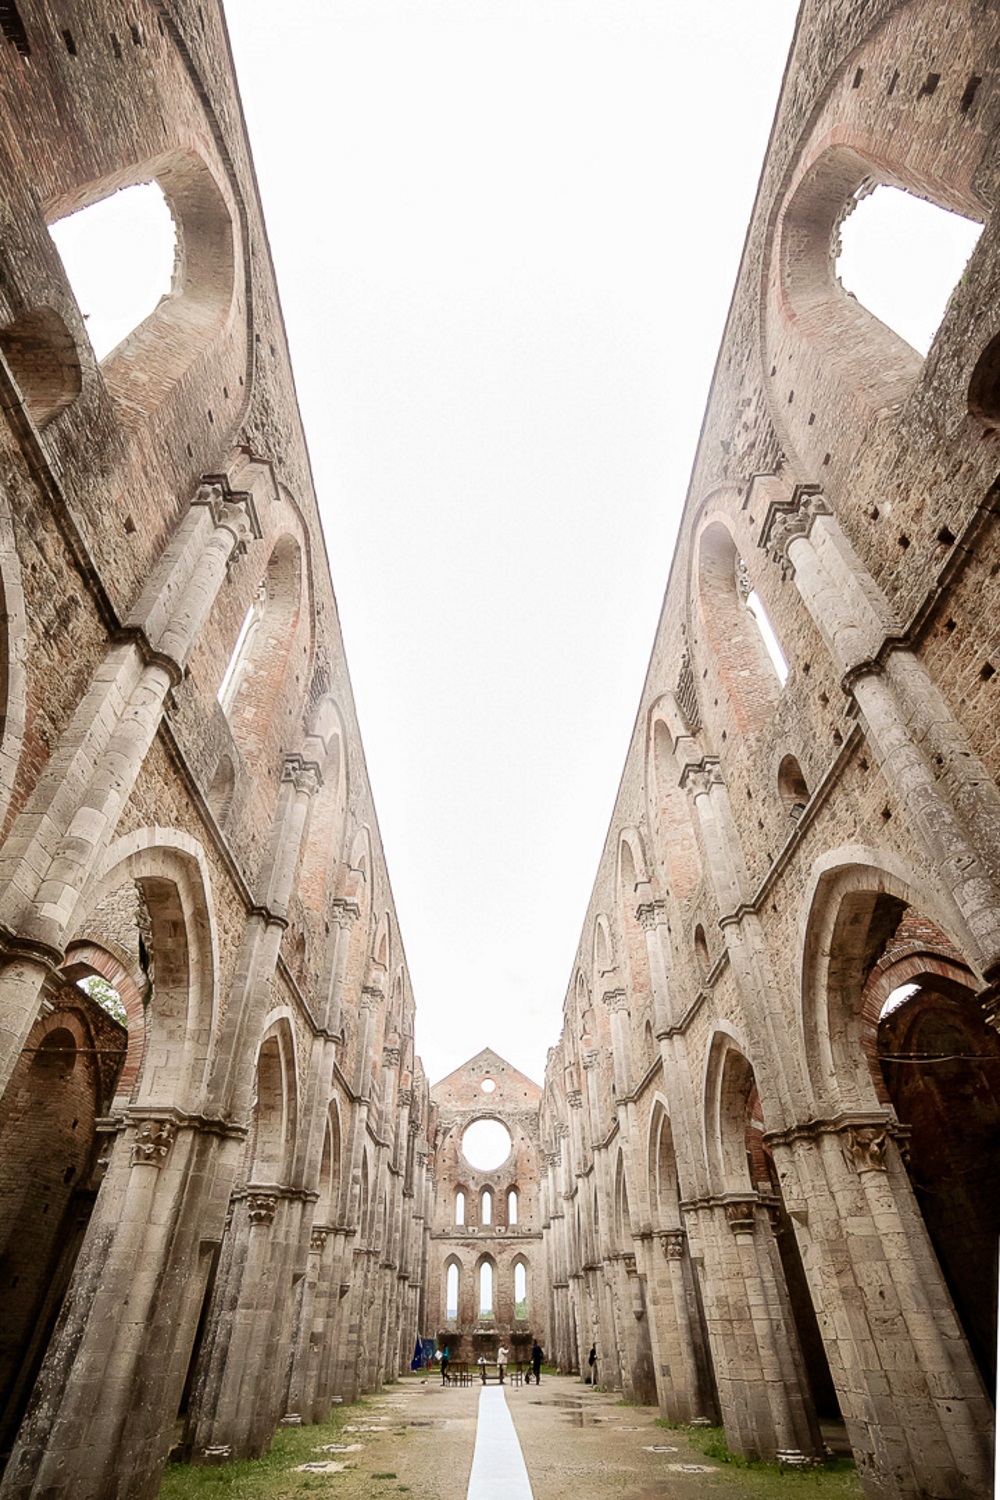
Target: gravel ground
{"points": [[416, 1437], [577, 1444]]}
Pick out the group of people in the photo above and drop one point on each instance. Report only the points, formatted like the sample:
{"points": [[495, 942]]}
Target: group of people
{"points": [[443, 1358]]}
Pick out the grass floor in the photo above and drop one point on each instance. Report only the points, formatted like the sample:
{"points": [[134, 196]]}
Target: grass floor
{"points": [[754, 1478], [272, 1477]]}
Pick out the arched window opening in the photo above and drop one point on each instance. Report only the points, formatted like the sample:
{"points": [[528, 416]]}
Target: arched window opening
{"points": [[451, 1291], [702, 956], [901, 257], [941, 1067], [603, 956], [486, 1207], [106, 996], [512, 1207], [56, 1055], [459, 1207], [119, 256], [43, 358], [243, 650], [748, 665], [984, 386], [747, 1166], [258, 682], [486, 1290], [269, 1122], [759, 616], [520, 1291], [792, 788]]}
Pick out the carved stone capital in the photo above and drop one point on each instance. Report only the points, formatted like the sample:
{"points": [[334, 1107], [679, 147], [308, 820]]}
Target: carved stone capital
{"points": [[699, 778], [262, 1207], [232, 509], [591, 1060], [404, 1098], [628, 1261], [615, 1000], [344, 913], [152, 1143], [574, 1098], [304, 775], [787, 519], [672, 1242], [651, 914], [865, 1147], [317, 1238], [740, 1217], [390, 1057], [371, 997]]}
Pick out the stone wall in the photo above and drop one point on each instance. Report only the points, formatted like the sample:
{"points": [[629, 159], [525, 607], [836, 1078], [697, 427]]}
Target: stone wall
{"points": [[769, 1165], [217, 1219], [505, 1237]]}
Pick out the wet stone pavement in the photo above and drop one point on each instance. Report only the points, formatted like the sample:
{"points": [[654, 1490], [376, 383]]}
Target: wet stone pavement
{"points": [[577, 1444]]}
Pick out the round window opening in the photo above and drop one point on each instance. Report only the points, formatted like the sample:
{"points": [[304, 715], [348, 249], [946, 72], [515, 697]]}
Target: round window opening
{"points": [[486, 1144], [488, 1085]]}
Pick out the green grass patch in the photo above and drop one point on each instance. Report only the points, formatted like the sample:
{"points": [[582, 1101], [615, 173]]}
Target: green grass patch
{"points": [[269, 1477], [758, 1477]]}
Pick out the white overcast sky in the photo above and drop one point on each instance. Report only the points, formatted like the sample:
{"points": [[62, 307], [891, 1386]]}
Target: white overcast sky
{"points": [[506, 234]]}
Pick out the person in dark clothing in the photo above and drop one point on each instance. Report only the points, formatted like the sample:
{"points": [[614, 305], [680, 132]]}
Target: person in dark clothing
{"points": [[536, 1362], [592, 1362]]}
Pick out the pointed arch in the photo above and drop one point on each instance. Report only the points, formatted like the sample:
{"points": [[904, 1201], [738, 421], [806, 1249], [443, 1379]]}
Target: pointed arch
{"points": [[664, 1191], [729, 1086], [330, 1172], [674, 841], [604, 948], [736, 655], [202, 302], [256, 678], [171, 871], [452, 1288], [271, 1143], [854, 900]]}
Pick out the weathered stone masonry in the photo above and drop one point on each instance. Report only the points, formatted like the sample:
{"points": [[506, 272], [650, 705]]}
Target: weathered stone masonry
{"points": [[772, 1169], [762, 1174], [218, 1212]]}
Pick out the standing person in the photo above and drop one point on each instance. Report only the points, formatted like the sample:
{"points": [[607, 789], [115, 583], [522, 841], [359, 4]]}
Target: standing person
{"points": [[592, 1362], [502, 1353], [481, 1362], [445, 1359], [536, 1361]]}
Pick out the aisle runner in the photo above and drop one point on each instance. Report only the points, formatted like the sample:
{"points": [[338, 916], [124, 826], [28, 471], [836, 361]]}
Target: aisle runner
{"points": [[498, 1471]]}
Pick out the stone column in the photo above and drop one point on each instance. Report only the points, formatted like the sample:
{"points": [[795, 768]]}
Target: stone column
{"points": [[57, 841], [101, 1422], [780, 1069], [684, 1384], [947, 794], [342, 915], [766, 1408], [232, 1086], [916, 1411], [652, 918], [225, 1418]]}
